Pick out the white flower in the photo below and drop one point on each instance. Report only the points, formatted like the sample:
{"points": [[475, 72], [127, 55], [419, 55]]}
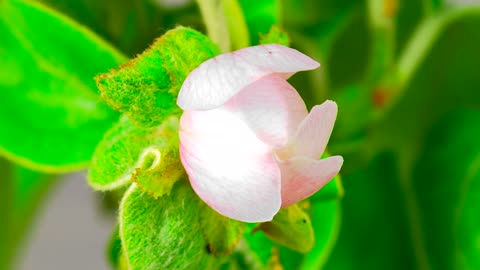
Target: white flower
{"points": [[247, 141]]}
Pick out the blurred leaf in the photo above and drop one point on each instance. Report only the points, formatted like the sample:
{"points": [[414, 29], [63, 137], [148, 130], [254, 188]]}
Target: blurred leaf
{"points": [[146, 88], [260, 16], [374, 229], [446, 183], [114, 248], [52, 116], [129, 24], [437, 75], [128, 152]]}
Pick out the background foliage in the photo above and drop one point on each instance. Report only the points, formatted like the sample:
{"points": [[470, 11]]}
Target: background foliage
{"points": [[402, 72]]}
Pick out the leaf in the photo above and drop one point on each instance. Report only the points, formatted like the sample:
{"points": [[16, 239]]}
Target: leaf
{"points": [[446, 184], [146, 88], [130, 25], [148, 156], [374, 226], [164, 233], [51, 110]]}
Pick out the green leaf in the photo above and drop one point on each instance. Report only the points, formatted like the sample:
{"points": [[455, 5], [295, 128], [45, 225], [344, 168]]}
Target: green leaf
{"points": [[52, 116], [164, 233], [373, 221], [446, 182], [146, 88], [148, 156], [130, 25]]}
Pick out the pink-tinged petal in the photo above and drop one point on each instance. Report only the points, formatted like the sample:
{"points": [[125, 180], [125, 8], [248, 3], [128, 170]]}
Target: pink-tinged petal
{"points": [[302, 177], [271, 107], [228, 166], [217, 80], [313, 132]]}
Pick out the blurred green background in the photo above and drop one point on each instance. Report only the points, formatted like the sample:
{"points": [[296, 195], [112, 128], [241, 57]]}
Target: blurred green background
{"points": [[404, 74]]}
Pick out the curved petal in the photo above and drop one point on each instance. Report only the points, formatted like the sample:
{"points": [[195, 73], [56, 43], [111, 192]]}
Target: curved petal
{"points": [[228, 166], [271, 107], [313, 132], [217, 80], [302, 177]]}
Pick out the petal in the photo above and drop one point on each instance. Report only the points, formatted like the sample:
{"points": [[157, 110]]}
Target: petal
{"points": [[271, 107], [313, 132], [302, 177], [228, 166], [217, 80]]}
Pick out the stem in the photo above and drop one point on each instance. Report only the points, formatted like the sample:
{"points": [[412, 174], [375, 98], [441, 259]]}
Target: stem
{"points": [[215, 21], [381, 17], [420, 44], [225, 23]]}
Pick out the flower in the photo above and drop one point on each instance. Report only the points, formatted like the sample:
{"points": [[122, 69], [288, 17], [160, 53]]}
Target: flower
{"points": [[247, 141]]}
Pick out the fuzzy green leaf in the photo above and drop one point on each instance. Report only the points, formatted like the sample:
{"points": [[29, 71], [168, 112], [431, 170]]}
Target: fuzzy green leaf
{"points": [[51, 116], [164, 233], [150, 155], [146, 88]]}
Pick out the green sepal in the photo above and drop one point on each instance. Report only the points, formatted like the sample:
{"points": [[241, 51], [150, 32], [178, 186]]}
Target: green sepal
{"points": [[146, 88], [145, 153], [291, 227], [275, 35]]}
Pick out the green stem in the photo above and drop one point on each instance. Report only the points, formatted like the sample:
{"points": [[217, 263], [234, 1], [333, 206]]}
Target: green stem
{"points": [[382, 24], [225, 23], [420, 44]]}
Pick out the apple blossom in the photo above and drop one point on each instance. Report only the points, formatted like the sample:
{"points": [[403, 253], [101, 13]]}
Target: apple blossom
{"points": [[247, 141]]}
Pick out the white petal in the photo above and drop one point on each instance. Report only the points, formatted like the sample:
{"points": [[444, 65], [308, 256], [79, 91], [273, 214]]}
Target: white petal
{"points": [[302, 177], [228, 166], [313, 132], [217, 80], [271, 107]]}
